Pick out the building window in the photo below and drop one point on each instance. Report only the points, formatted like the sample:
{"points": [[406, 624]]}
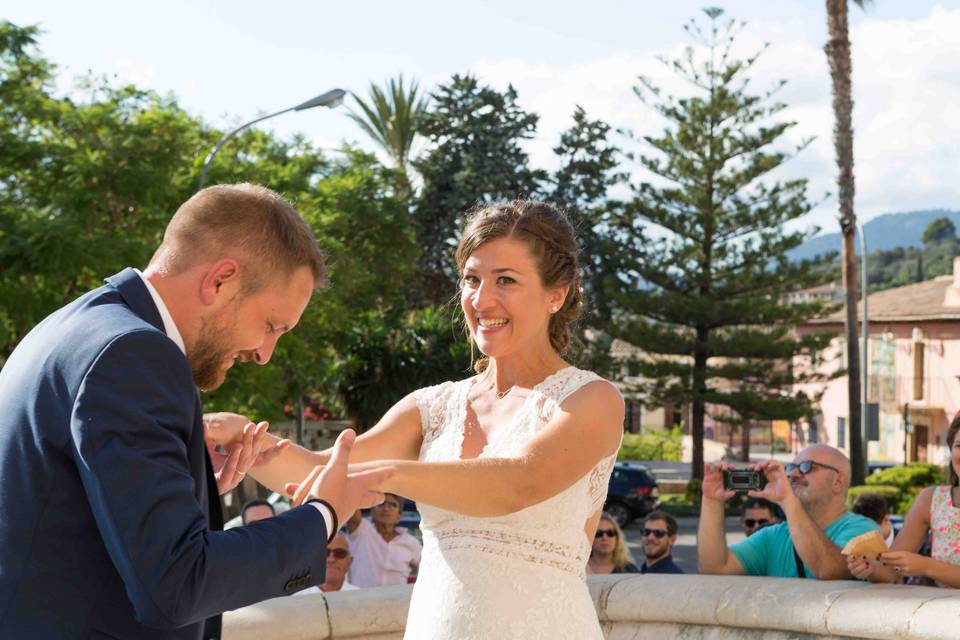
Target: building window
{"points": [[632, 419], [841, 433], [918, 352]]}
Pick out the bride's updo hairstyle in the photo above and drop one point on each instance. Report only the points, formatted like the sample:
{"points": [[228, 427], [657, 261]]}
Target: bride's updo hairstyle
{"points": [[552, 243]]}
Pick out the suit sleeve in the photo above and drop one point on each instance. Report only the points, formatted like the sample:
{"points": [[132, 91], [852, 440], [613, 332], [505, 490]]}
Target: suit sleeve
{"points": [[133, 431]]}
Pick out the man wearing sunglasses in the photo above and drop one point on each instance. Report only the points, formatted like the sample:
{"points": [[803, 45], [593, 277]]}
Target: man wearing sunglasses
{"points": [[659, 535], [338, 565], [757, 514], [812, 493]]}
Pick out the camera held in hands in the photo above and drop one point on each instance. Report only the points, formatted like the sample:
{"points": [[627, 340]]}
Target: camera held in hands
{"points": [[744, 480]]}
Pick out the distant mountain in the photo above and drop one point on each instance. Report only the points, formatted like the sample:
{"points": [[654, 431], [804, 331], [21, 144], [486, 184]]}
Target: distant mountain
{"points": [[884, 232]]}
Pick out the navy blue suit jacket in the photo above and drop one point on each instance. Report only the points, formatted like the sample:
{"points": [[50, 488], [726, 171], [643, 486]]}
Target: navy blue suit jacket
{"points": [[106, 489]]}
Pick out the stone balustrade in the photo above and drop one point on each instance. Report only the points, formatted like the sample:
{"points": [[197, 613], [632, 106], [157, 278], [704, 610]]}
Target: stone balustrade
{"points": [[651, 607]]}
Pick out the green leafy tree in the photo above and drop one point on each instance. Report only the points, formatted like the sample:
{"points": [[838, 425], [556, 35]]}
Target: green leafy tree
{"points": [[387, 355], [87, 184], [474, 135], [391, 117], [707, 273], [364, 228], [938, 231]]}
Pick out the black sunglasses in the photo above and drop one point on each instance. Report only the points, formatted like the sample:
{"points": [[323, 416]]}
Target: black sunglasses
{"points": [[610, 533], [657, 533], [339, 554], [806, 467], [751, 523]]}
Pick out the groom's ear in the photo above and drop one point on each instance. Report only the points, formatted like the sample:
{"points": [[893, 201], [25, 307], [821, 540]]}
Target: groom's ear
{"points": [[221, 282]]}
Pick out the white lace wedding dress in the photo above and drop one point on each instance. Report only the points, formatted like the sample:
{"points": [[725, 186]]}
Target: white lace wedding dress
{"points": [[514, 576]]}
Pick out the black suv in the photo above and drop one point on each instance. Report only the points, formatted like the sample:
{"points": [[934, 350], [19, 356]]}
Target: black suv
{"points": [[632, 492]]}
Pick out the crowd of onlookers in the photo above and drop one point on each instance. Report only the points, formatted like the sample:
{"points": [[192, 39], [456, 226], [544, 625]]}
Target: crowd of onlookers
{"points": [[365, 552], [801, 524], [798, 528]]}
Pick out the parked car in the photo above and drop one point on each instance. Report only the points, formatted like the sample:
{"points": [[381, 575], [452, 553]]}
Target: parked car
{"points": [[632, 492]]}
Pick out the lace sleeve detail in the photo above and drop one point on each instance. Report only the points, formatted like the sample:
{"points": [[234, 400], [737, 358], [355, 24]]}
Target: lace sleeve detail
{"points": [[432, 402], [598, 482]]}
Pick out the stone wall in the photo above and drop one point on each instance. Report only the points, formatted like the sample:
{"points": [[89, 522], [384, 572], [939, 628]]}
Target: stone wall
{"points": [[651, 607]]}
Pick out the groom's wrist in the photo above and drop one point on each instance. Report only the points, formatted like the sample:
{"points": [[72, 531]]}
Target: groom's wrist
{"points": [[329, 516]]}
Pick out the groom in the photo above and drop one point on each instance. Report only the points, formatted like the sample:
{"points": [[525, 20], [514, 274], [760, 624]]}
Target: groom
{"points": [[108, 495]]}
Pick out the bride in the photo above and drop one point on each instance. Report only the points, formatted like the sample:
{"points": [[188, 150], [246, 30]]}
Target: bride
{"points": [[509, 468]]}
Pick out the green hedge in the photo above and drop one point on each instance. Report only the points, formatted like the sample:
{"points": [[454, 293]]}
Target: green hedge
{"points": [[915, 475], [653, 445], [900, 485]]}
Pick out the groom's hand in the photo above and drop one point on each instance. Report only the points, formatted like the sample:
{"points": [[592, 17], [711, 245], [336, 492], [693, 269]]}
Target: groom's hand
{"points": [[346, 492], [231, 465]]}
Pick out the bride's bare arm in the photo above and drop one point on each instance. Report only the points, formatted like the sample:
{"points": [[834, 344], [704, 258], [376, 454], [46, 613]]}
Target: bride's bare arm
{"points": [[585, 429], [396, 436]]}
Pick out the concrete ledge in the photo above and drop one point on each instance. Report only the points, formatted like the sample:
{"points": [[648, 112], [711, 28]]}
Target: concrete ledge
{"points": [[650, 607]]}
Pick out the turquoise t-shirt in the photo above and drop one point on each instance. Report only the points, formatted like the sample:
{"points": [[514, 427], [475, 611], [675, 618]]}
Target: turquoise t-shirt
{"points": [[769, 552]]}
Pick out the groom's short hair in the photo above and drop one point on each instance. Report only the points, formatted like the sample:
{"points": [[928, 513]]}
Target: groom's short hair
{"points": [[247, 222]]}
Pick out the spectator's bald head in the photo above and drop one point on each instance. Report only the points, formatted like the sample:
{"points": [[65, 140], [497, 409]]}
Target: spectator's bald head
{"points": [[826, 483], [828, 455]]}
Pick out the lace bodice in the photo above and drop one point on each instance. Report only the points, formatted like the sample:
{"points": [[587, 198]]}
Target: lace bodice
{"points": [[550, 532], [515, 576]]}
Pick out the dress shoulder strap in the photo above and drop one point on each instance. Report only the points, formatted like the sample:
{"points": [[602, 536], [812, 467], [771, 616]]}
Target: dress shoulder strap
{"points": [[434, 404], [559, 386]]}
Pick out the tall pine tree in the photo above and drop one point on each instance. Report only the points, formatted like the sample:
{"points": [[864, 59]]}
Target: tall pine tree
{"points": [[704, 295]]}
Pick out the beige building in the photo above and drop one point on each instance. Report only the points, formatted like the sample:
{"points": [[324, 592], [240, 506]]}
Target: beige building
{"points": [[913, 371]]}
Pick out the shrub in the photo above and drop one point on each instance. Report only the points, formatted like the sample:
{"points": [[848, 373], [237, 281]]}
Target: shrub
{"points": [[891, 493], [694, 492], [653, 445], [678, 506], [916, 475], [900, 485]]}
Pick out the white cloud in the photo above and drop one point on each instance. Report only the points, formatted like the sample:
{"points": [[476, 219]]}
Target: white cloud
{"points": [[137, 72], [906, 105]]}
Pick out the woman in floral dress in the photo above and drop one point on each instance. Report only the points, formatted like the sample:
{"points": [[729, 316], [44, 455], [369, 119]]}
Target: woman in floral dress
{"points": [[937, 512]]}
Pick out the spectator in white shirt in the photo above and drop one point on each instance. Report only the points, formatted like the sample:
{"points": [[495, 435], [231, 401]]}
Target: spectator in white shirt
{"points": [[383, 553]]}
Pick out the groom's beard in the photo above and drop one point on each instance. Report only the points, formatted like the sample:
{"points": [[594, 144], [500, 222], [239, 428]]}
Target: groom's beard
{"points": [[213, 354]]}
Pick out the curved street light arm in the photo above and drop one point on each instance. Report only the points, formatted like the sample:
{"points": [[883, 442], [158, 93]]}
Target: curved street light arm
{"points": [[330, 99], [224, 139]]}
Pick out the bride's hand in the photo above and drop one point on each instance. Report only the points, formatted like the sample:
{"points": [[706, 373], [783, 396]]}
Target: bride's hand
{"points": [[223, 428], [242, 444], [231, 465]]}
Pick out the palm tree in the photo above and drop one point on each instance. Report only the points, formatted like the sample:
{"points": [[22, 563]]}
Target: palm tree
{"points": [[391, 118], [838, 57]]}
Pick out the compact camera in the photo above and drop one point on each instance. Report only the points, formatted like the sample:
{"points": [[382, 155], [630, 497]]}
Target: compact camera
{"points": [[744, 480]]}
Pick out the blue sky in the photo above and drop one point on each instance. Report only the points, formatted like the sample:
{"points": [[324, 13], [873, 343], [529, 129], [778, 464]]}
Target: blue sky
{"points": [[230, 61]]}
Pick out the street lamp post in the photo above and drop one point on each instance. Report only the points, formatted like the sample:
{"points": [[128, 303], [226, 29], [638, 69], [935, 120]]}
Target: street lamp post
{"points": [[330, 99]]}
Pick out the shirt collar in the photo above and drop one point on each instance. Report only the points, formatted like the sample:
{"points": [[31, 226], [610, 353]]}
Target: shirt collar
{"points": [[169, 326]]}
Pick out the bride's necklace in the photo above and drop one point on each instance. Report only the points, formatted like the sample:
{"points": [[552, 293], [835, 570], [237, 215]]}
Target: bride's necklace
{"points": [[501, 394]]}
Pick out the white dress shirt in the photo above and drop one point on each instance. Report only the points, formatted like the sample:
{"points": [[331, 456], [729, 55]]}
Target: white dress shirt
{"points": [[377, 562]]}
